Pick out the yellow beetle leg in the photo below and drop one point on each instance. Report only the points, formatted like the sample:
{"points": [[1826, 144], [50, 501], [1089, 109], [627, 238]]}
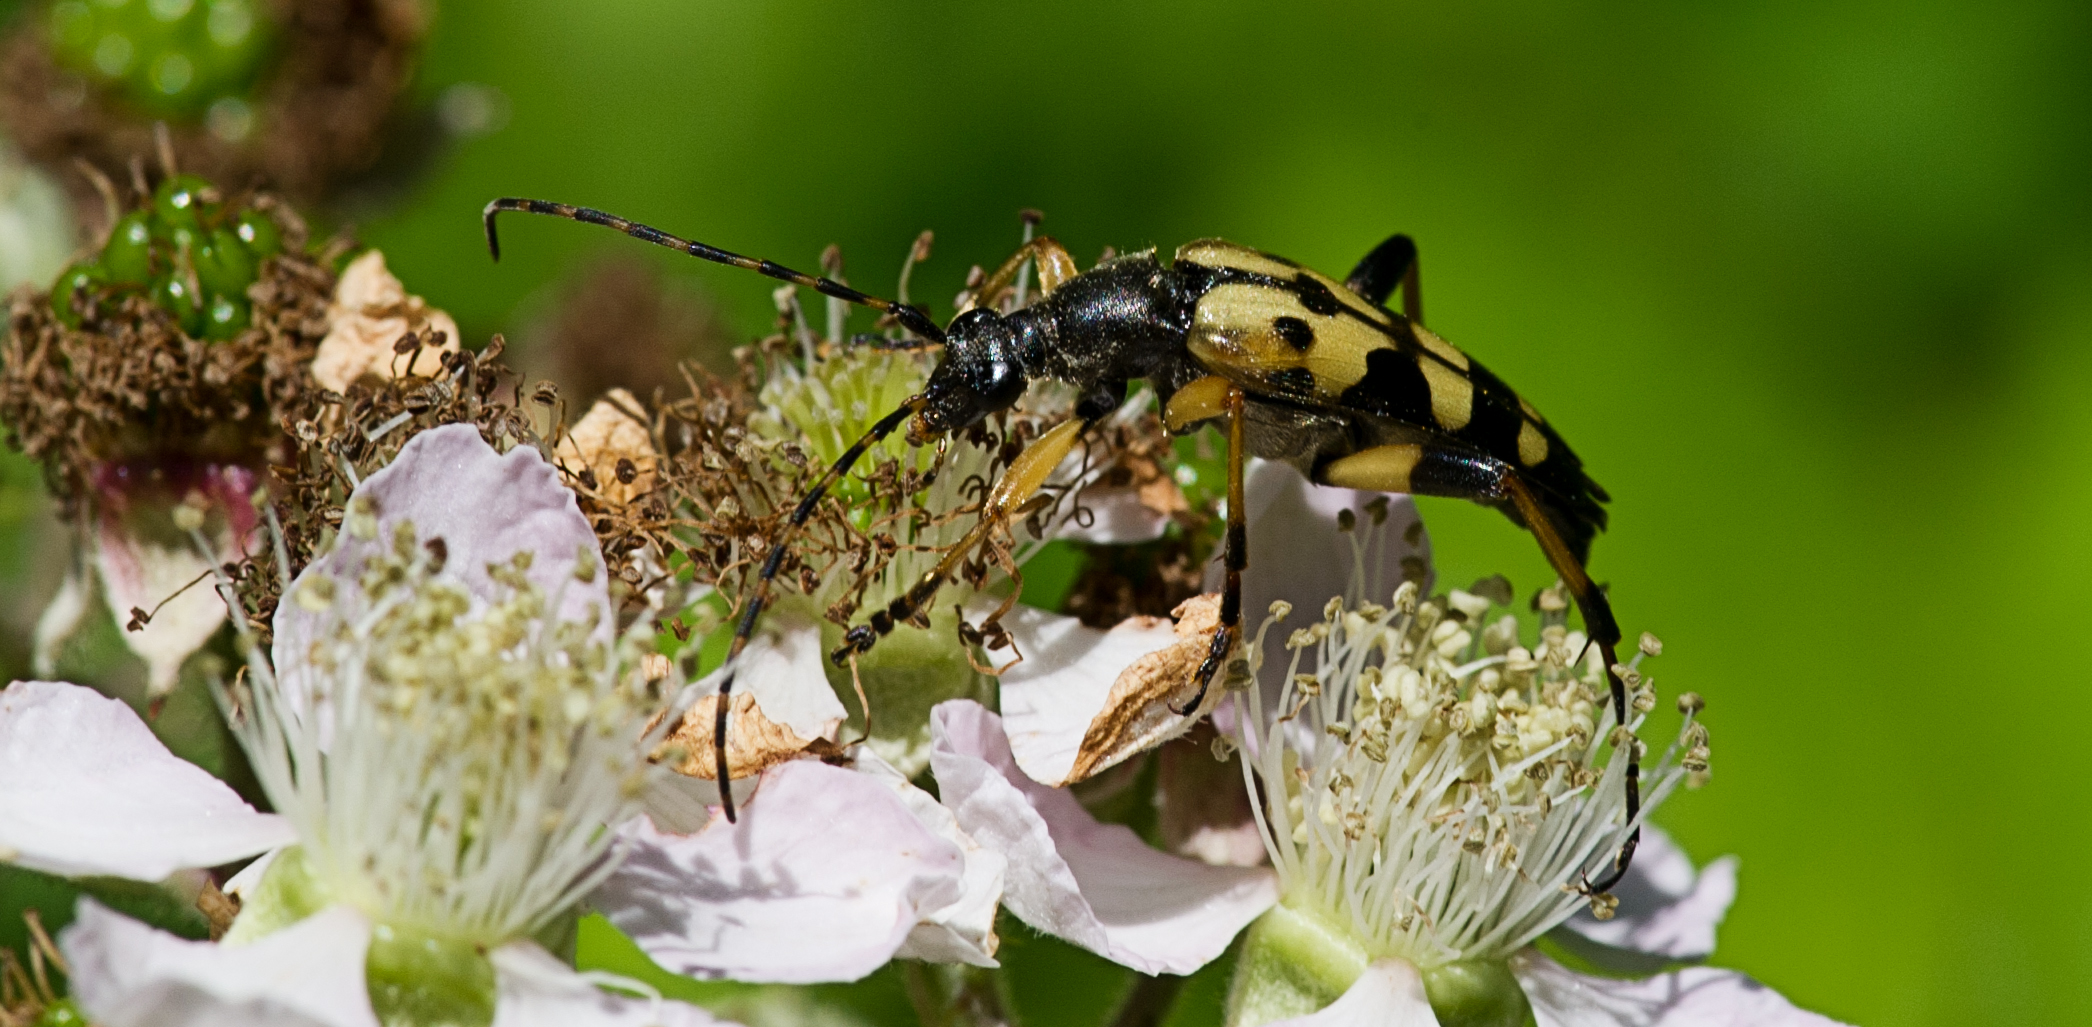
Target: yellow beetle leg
{"points": [[1019, 482], [1055, 267]]}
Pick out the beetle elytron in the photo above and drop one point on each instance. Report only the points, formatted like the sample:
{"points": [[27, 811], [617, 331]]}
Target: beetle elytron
{"points": [[1292, 365]]}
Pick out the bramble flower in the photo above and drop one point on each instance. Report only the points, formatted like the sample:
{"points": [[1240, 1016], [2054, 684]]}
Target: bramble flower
{"points": [[1083, 699], [1433, 801], [457, 744]]}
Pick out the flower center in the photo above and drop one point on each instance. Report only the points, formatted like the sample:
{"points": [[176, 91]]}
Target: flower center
{"points": [[450, 760], [1437, 791]]}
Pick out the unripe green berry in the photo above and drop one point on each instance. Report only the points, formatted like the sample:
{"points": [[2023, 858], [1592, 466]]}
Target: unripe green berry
{"points": [[173, 295], [223, 264], [179, 202], [128, 256], [225, 317], [260, 233], [70, 281]]}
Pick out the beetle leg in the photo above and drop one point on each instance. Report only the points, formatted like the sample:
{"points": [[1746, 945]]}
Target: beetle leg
{"points": [[1055, 267], [1423, 469], [1237, 557], [1390, 262], [1019, 483]]}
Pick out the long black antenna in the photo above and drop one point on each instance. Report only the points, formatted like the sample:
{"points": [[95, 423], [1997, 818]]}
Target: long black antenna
{"points": [[761, 598], [910, 317]]}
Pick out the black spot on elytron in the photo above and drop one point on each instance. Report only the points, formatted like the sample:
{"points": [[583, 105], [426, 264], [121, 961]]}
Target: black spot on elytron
{"points": [[1292, 382], [1315, 296], [1297, 333], [1393, 386], [1496, 417]]}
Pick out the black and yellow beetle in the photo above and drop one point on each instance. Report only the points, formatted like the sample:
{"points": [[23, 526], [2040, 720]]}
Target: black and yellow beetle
{"points": [[1294, 366]]}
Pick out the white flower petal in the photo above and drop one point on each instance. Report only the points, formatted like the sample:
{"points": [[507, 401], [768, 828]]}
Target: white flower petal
{"points": [[1667, 913], [535, 990], [1296, 553], [309, 974], [141, 574], [1389, 994], [782, 668], [1051, 697], [1096, 885], [1694, 997], [486, 507], [85, 788], [823, 879], [964, 930]]}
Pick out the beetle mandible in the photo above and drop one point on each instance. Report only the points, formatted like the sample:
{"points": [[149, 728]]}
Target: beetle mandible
{"points": [[1292, 366]]}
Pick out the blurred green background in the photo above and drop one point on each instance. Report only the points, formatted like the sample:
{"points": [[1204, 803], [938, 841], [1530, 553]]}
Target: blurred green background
{"points": [[1809, 286]]}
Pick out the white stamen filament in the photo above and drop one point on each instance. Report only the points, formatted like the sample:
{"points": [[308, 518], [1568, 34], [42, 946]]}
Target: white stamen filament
{"points": [[1435, 789], [449, 769]]}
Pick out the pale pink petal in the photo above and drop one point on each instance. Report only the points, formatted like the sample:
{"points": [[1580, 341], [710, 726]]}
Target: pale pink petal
{"points": [[1095, 885], [1667, 913], [962, 931], [535, 990], [85, 788], [1296, 553], [823, 879], [309, 974], [149, 575], [1050, 698], [1694, 997], [486, 507], [1389, 994]]}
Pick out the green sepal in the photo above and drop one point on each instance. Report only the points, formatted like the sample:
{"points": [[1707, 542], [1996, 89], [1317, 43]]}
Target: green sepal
{"points": [[287, 893], [1292, 964], [419, 980], [1478, 993]]}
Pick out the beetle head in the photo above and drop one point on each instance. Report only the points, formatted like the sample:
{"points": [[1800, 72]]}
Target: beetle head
{"points": [[979, 375]]}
